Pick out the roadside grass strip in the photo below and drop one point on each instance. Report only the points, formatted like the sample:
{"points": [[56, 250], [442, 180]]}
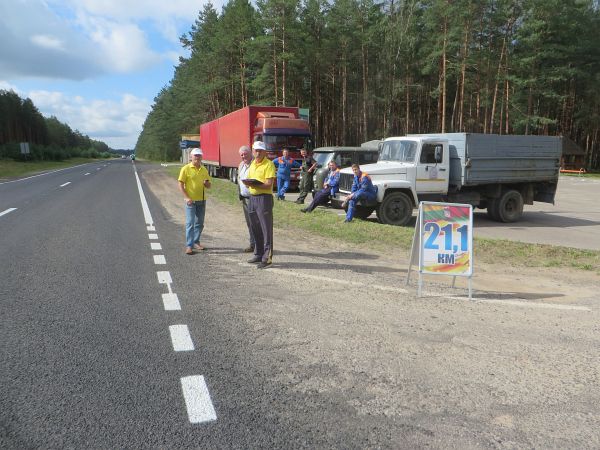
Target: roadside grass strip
{"points": [[197, 399]]}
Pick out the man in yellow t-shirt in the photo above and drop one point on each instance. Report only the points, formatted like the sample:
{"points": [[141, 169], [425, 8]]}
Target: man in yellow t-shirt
{"points": [[193, 182], [261, 177]]}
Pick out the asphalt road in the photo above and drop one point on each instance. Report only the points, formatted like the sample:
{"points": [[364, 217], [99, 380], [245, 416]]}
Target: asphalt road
{"points": [[573, 221]]}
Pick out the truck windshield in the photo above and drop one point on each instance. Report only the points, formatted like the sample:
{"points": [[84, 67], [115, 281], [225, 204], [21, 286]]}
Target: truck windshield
{"points": [[323, 158], [277, 142], [402, 151]]}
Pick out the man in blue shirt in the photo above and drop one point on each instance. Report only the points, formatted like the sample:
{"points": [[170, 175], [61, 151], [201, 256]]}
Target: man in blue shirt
{"points": [[330, 188], [362, 189], [284, 166]]}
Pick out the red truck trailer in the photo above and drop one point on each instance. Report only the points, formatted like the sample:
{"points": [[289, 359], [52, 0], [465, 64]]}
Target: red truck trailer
{"points": [[278, 127]]}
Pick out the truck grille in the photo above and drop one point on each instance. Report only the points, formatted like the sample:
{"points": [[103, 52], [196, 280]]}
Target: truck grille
{"points": [[346, 180]]}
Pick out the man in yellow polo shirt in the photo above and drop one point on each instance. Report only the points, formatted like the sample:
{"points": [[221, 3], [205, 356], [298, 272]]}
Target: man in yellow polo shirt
{"points": [[261, 177], [193, 182]]}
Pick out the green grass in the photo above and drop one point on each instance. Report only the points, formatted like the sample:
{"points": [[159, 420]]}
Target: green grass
{"points": [[12, 169], [385, 237]]}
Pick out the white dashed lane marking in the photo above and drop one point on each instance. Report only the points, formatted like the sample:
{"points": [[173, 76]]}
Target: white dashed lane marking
{"points": [[197, 399], [159, 259], [155, 246], [86, 173], [171, 302], [153, 236], [164, 277], [65, 184], [181, 339], [6, 211]]}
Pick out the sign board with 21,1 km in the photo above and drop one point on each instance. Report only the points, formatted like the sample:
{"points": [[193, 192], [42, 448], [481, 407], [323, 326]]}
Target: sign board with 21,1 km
{"points": [[443, 240]]}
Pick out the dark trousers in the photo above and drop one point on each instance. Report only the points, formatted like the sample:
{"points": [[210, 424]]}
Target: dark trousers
{"points": [[321, 198], [260, 210], [305, 186], [245, 201]]}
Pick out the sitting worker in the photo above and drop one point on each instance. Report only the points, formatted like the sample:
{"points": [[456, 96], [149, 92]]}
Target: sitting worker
{"points": [[362, 189], [330, 187], [284, 166]]}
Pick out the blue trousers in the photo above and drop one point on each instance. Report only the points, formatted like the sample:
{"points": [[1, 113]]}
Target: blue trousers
{"points": [[283, 183], [321, 198], [194, 221], [352, 203]]}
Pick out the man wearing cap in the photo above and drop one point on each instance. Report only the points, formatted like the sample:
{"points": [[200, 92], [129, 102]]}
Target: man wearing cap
{"points": [[193, 182], [261, 177]]}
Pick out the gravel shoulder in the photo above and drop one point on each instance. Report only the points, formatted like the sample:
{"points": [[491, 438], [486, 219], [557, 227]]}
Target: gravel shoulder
{"points": [[517, 367]]}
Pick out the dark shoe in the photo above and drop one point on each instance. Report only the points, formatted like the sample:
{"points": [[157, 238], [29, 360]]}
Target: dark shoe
{"points": [[263, 265], [249, 249], [255, 260], [304, 210], [347, 220], [300, 202]]}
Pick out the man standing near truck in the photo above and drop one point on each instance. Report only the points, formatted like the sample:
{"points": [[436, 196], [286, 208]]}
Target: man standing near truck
{"points": [[284, 166], [261, 177], [307, 169], [244, 192], [193, 182]]}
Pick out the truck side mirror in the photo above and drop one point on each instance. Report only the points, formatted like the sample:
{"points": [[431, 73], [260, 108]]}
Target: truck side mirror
{"points": [[438, 154]]}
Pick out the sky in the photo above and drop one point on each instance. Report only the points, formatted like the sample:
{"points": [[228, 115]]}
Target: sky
{"points": [[95, 65]]}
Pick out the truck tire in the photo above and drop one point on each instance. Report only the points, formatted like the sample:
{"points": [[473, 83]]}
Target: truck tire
{"points": [[510, 206], [361, 211], [396, 209]]}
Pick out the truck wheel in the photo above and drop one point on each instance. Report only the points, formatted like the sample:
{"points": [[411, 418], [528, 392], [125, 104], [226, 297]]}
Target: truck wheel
{"points": [[510, 206], [396, 209]]}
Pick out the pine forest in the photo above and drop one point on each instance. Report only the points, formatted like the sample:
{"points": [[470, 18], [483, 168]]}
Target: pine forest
{"points": [[368, 70]]}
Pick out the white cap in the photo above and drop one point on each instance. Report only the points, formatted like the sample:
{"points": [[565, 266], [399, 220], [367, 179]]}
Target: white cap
{"points": [[258, 145], [196, 151]]}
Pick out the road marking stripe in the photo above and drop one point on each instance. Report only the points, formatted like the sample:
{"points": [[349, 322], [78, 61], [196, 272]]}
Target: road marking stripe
{"points": [[86, 173], [6, 211], [164, 277], [181, 339], [171, 302], [145, 208], [159, 259], [150, 228], [197, 399], [155, 246], [152, 236], [98, 168], [64, 184], [42, 174]]}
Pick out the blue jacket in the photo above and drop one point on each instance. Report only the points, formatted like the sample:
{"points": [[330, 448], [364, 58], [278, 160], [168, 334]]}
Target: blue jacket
{"points": [[333, 181], [284, 166], [362, 184]]}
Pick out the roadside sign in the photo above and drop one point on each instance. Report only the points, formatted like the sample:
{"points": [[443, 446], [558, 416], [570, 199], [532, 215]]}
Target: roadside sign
{"points": [[443, 241], [24, 148]]}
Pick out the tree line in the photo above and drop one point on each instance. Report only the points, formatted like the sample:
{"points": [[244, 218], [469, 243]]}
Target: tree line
{"points": [[369, 70], [48, 138]]}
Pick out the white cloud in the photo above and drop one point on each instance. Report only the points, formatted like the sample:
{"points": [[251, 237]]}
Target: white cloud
{"points": [[46, 41], [117, 123]]}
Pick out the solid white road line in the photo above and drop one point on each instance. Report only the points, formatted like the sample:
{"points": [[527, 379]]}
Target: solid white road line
{"points": [[159, 259], [6, 211], [171, 302], [181, 339], [152, 236], [42, 174], [197, 399], [147, 215], [65, 184], [155, 246], [164, 277]]}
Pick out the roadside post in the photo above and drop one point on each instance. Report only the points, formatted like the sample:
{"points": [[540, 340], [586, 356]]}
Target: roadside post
{"points": [[443, 242]]}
